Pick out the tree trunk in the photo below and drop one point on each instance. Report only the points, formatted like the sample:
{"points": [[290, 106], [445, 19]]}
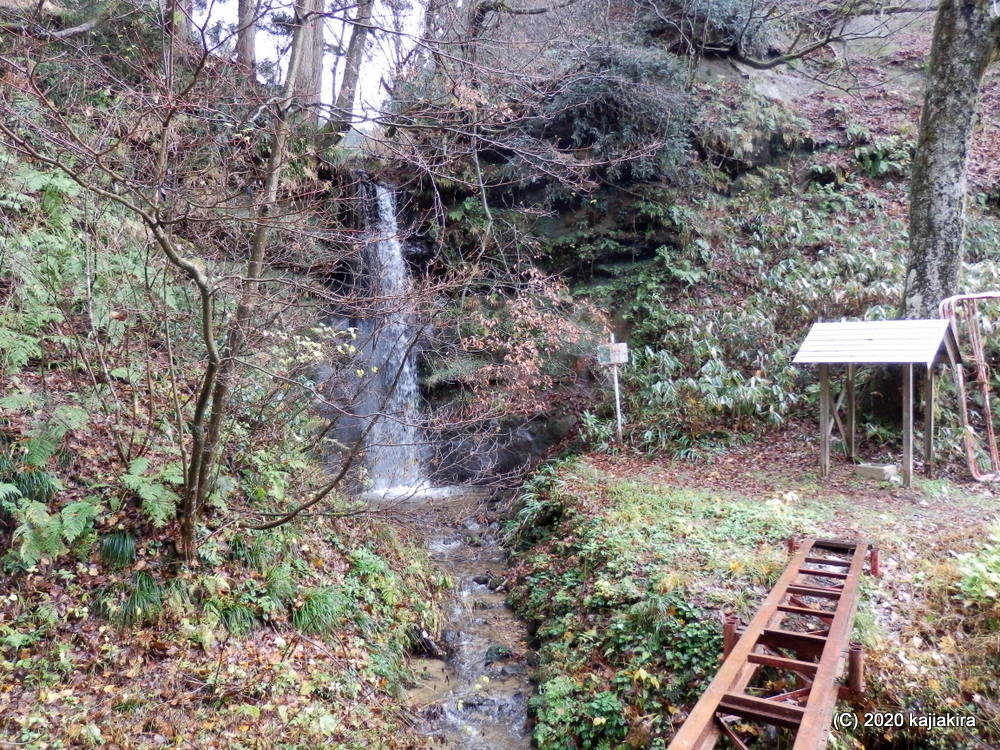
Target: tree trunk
{"points": [[314, 93], [343, 108], [965, 39], [246, 34], [202, 465], [178, 20], [308, 87]]}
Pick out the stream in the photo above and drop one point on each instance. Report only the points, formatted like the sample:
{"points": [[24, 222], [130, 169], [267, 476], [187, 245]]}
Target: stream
{"points": [[477, 699], [476, 696]]}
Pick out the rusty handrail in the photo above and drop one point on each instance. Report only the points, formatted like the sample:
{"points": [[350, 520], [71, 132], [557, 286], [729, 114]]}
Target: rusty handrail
{"points": [[965, 308]]}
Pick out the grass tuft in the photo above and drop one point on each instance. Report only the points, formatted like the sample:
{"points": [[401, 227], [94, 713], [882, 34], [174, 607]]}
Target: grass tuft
{"points": [[145, 603], [319, 611], [118, 549]]}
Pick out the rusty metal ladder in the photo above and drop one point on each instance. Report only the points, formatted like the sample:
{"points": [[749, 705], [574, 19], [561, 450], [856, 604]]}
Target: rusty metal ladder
{"points": [[801, 632]]}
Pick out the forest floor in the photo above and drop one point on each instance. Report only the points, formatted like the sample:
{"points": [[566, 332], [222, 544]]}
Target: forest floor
{"points": [[787, 461], [293, 640]]}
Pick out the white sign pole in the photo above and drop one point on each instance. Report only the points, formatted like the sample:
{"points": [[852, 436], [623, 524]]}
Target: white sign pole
{"points": [[618, 398]]}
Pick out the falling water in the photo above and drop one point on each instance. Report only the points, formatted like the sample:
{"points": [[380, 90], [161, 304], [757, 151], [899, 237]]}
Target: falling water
{"points": [[394, 445], [477, 699]]}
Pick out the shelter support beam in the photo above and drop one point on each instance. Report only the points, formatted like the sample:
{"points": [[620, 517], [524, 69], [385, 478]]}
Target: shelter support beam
{"points": [[824, 420], [930, 398], [904, 343], [850, 421], [907, 425]]}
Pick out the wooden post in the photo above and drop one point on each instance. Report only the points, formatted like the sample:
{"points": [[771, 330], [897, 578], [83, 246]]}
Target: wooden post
{"points": [[618, 397], [824, 420], [851, 420], [930, 396], [907, 424]]}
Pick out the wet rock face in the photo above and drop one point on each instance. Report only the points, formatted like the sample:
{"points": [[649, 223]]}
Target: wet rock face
{"points": [[462, 459]]}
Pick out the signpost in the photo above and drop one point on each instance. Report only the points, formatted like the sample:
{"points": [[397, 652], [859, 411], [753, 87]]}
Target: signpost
{"points": [[611, 355]]}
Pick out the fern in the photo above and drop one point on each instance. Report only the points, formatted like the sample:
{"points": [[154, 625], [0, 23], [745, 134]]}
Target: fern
{"points": [[44, 535], [78, 518], [18, 401], [18, 348], [48, 183], [66, 417], [40, 449], [40, 534], [159, 509], [159, 502], [46, 436], [9, 493]]}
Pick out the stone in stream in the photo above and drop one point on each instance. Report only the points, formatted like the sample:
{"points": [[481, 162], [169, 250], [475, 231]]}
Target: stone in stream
{"points": [[430, 646], [497, 652]]}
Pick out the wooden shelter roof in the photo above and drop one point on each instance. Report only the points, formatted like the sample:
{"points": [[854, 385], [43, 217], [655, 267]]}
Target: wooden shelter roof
{"points": [[877, 342]]}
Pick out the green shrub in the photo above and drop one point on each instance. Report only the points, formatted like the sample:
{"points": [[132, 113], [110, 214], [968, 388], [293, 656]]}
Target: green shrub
{"points": [[625, 582], [716, 319], [980, 582], [886, 157], [709, 26]]}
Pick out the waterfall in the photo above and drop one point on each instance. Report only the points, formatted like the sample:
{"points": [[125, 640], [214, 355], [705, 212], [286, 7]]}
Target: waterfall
{"points": [[394, 446]]}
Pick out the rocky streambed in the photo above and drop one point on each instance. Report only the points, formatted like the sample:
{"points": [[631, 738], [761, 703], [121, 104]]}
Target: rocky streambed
{"points": [[474, 696]]}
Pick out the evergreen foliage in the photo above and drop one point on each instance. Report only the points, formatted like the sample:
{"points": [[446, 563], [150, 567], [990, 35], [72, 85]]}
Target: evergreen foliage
{"points": [[627, 106], [708, 27]]}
